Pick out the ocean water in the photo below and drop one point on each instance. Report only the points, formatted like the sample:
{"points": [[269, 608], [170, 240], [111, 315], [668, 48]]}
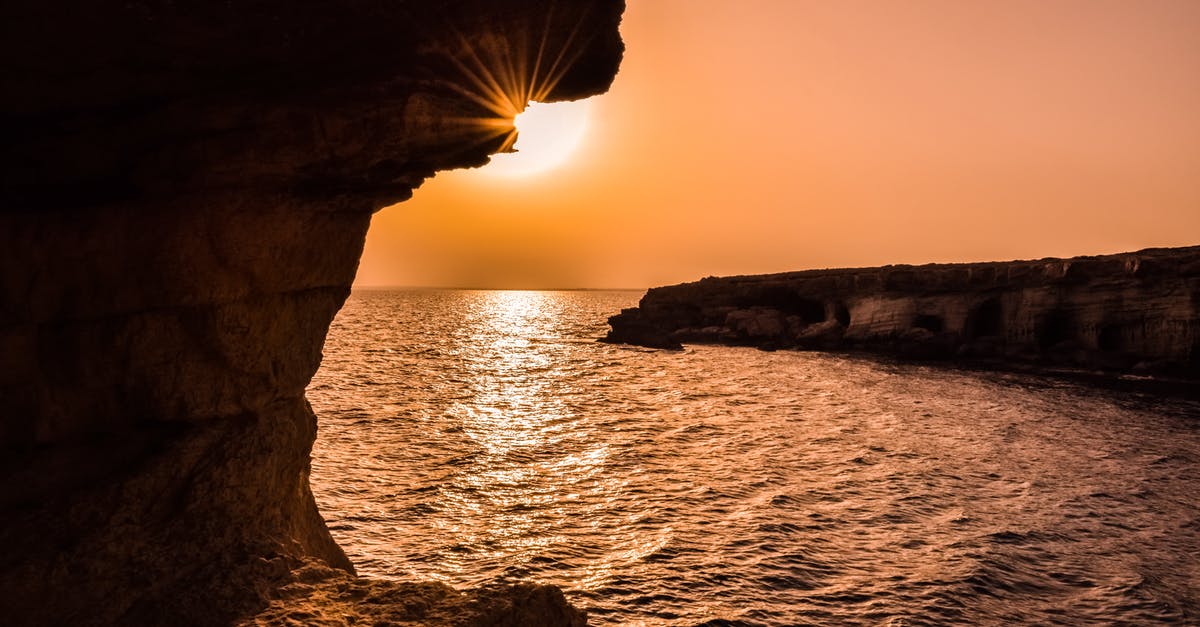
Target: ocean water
{"points": [[474, 436]]}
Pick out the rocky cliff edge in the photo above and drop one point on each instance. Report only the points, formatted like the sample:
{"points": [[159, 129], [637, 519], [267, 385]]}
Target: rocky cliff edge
{"points": [[185, 194], [1135, 312]]}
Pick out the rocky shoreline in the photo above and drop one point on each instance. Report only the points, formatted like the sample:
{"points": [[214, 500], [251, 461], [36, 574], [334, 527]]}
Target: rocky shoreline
{"points": [[315, 595], [1129, 313]]}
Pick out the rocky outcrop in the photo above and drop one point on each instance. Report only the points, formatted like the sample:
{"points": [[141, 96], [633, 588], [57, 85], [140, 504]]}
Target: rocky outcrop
{"points": [[186, 192], [315, 595], [1128, 312]]}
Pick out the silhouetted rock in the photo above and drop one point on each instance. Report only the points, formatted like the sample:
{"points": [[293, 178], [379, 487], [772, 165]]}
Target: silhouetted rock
{"points": [[1127, 312], [649, 335], [186, 192], [315, 595]]}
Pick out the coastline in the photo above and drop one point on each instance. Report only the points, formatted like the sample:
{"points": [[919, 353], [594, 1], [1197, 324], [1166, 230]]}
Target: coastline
{"points": [[1129, 319]]}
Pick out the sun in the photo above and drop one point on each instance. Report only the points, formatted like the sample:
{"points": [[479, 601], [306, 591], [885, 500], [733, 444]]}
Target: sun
{"points": [[547, 134]]}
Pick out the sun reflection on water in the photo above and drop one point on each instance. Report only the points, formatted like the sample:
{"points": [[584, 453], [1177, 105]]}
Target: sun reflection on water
{"points": [[510, 501]]}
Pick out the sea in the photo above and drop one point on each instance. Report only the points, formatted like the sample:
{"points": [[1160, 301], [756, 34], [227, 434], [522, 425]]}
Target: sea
{"points": [[473, 437]]}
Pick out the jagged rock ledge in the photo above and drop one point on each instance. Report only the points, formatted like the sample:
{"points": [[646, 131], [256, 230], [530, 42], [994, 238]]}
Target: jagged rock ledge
{"points": [[1130, 312], [315, 595]]}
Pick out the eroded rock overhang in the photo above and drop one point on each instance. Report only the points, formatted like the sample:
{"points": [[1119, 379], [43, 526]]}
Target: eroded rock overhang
{"points": [[186, 192]]}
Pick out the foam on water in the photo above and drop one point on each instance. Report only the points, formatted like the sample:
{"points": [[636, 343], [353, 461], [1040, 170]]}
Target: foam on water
{"points": [[474, 436]]}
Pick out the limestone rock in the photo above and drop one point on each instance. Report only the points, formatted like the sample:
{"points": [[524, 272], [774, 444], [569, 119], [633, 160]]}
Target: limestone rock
{"points": [[186, 192], [649, 335], [759, 323], [827, 334], [315, 595], [1112, 312]]}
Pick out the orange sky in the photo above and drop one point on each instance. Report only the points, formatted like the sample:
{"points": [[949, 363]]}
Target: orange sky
{"points": [[765, 136]]}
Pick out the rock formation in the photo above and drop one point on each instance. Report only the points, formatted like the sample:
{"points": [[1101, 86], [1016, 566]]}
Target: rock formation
{"points": [[318, 596], [1128, 312], [185, 195]]}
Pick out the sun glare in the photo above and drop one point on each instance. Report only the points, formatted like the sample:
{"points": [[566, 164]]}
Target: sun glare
{"points": [[547, 133]]}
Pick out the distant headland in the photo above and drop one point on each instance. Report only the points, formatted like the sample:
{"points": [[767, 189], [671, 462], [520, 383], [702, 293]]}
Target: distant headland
{"points": [[1136, 312]]}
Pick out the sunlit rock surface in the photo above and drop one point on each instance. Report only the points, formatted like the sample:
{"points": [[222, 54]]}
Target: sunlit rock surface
{"points": [[1131, 312], [186, 192]]}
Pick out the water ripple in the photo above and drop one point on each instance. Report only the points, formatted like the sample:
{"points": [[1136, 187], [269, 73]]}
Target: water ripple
{"points": [[471, 436]]}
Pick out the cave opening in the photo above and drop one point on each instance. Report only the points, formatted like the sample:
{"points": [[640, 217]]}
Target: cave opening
{"points": [[929, 322], [842, 314], [1111, 338], [1055, 327], [985, 320]]}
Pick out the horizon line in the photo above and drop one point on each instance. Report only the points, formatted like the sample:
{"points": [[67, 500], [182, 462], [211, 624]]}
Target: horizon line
{"points": [[498, 289]]}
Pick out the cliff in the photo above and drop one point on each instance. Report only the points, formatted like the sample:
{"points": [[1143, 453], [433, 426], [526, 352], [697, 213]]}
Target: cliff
{"points": [[1135, 311], [185, 195]]}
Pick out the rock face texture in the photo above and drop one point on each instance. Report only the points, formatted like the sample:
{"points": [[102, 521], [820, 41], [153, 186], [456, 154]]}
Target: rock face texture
{"points": [[317, 596], [1128, 312], [185, 195]]}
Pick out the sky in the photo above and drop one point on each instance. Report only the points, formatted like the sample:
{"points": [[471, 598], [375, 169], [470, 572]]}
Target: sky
{"points": [[775, 135]]}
